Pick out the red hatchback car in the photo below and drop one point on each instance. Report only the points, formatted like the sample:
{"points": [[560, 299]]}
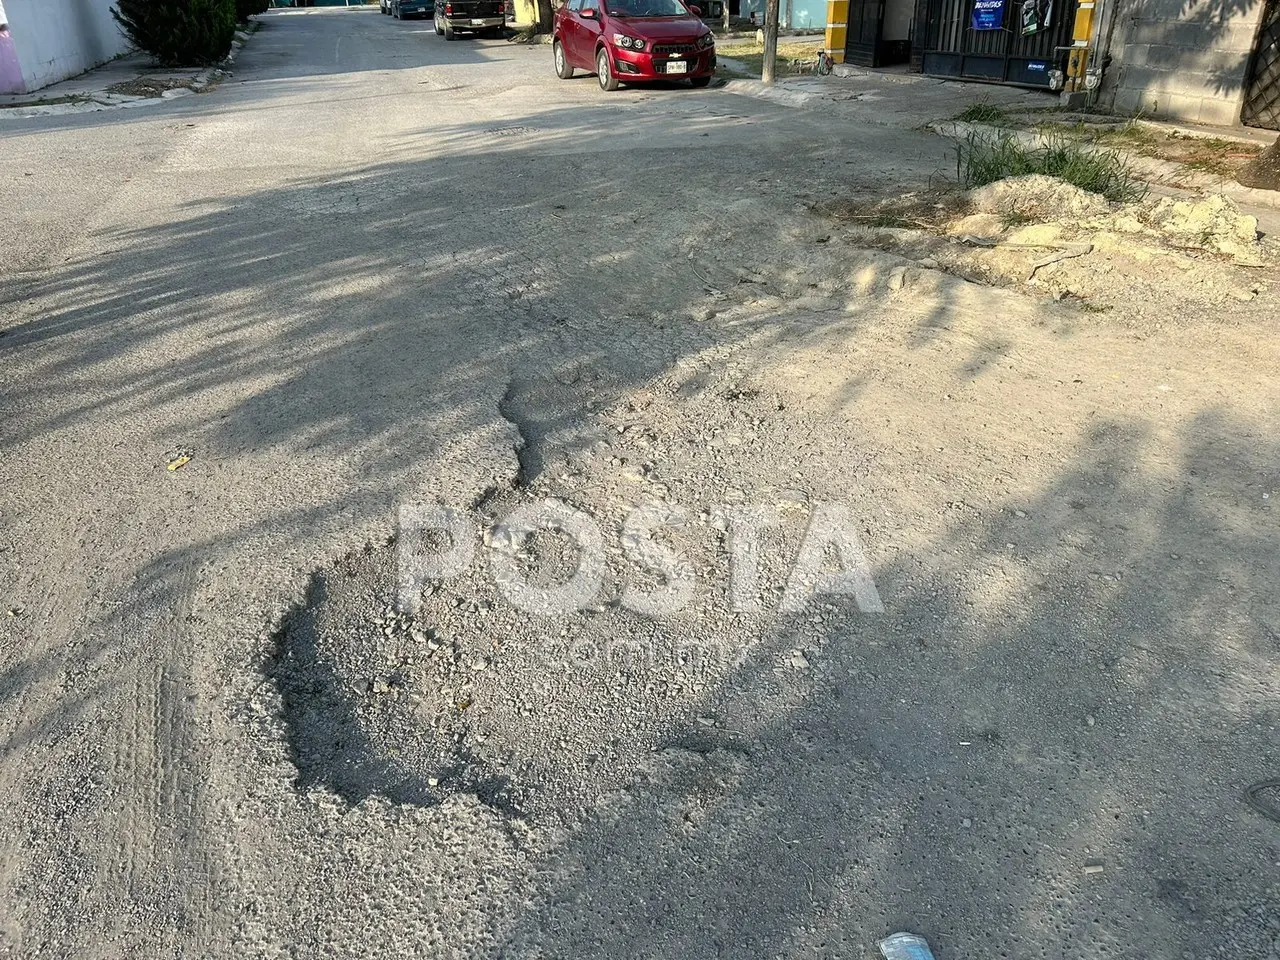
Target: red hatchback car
{"points": [[623, 41]]}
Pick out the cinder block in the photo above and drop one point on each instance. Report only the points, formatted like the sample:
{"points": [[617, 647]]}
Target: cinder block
{"points": [[1179, 107], [1178, 33], [1211, 62], [1242, 33], [1145, 78], [1131, 100], [1219, 111], [1137, 55]]}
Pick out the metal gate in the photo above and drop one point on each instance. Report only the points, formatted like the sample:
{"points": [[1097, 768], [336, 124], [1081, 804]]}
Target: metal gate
{"points": [[947, 45], [1262, 88], [865, 44], [866, 18]]}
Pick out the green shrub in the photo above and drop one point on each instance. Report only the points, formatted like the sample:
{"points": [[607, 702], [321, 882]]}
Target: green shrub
{"points": [[179, 33], [247, 8], [982, 160], [983, 112]]}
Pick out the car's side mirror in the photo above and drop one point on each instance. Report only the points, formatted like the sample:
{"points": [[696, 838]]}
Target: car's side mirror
{"points": [[696, 11], [588, 14]]}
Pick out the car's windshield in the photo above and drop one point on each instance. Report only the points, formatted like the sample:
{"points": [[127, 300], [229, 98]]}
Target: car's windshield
{"points": [[647, 8]]}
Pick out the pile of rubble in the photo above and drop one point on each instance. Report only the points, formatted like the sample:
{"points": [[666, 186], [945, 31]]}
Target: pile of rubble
{"points": [[1156, 257]]}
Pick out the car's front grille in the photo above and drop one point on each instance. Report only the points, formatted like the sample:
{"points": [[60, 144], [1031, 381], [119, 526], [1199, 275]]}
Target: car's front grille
{"points": [[674, 50]]}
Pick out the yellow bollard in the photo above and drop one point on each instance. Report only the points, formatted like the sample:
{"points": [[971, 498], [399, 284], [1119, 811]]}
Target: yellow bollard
{"points": [[837, 28]]}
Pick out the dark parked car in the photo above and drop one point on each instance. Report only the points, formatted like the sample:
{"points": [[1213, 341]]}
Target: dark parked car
{"points": [[486, 17], [633, 40], [408, 8]]}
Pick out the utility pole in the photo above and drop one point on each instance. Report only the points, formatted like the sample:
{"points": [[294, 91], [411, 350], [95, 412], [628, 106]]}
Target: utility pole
{"points": [[770, 41]]}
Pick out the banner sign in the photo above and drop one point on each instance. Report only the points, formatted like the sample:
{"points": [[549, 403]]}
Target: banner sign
{"points": [[988, 14]]}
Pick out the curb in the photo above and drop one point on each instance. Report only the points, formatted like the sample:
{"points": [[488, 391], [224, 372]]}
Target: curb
{"points": [[774, 94], [847, 71], [525, 36]]}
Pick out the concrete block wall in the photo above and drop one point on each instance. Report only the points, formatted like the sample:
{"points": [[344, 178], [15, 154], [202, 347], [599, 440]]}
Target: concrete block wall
{"points": [[57, 39], [1183, 59]]}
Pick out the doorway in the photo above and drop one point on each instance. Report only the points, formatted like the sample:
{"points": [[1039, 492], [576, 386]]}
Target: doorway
{"points": [[879, 32]]}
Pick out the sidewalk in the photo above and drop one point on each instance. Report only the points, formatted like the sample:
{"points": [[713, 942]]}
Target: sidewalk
{"points": [[911, 101], [887, 98], [131, 80]]}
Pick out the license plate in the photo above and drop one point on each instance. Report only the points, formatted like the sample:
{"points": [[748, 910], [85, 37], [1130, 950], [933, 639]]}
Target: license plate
{"points": [[477, 23], [677, 66]]}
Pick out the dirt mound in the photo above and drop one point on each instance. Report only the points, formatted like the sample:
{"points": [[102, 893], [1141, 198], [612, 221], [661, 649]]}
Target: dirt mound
{"points": [[1211, 223], [1037, 195]]}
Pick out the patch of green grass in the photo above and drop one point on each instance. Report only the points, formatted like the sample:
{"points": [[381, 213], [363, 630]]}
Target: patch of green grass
{"points": [[983, 112], [1134, 136], [981, 160], [751, 56], [1210, 155], [1069, 131], [1214, 166]]}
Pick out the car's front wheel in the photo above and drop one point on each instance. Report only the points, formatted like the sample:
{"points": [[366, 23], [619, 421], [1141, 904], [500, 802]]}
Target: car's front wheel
{"points": [[604, 72], [564, 69]]}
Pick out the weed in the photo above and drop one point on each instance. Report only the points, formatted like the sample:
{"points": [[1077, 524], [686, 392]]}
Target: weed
{"points": [[982, 160], [983, 112]]}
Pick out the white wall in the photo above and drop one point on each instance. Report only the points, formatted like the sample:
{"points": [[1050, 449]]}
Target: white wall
{"points": [[56, 39]]}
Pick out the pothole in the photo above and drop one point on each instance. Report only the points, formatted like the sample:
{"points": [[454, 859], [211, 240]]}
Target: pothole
{"points": [[353, 676]]}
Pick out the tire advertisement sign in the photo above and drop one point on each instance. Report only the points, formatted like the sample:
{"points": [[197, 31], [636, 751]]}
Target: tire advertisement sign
{"points": [[988, 14]]}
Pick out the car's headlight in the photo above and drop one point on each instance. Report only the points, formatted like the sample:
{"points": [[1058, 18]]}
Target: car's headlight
{"points": [[629, 43], [706, 40]]}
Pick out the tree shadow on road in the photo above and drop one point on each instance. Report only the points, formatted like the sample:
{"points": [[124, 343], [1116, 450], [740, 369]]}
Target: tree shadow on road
{"points": [[1045, 693], [333, 346]]}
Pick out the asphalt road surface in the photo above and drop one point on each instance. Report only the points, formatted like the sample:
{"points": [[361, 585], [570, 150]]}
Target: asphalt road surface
{"points": [[374, 269]]}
